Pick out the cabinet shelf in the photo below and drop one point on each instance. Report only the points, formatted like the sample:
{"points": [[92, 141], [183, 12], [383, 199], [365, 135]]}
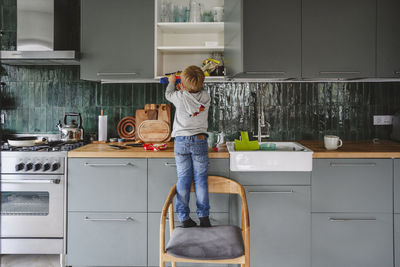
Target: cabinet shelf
{"points": [[184, 49], [191, 27]]}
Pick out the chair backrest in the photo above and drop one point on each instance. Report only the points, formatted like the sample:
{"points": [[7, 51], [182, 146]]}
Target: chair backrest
{"points": [[218, 184]]}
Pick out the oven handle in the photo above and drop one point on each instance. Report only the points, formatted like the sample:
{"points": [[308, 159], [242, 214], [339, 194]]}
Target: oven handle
{"points": [[31, 181]]}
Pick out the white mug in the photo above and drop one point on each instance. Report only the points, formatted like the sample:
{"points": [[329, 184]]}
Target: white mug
{"points": [[332, 142]]}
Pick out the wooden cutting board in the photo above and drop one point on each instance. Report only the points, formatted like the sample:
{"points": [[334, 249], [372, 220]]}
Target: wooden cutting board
{"points": [[142, 115], [154, 131], [164, 113]]}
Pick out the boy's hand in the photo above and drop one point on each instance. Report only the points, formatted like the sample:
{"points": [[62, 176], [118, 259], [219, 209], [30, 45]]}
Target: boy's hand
{"points": [[172, 79]]}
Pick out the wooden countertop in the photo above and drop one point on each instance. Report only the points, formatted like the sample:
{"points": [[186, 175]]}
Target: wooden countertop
{"points": [[361, 149], [352, 149], [104, 151]]}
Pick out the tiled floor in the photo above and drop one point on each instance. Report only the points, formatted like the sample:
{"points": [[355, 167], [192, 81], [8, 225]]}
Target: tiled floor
{"points": [[29, 261]]}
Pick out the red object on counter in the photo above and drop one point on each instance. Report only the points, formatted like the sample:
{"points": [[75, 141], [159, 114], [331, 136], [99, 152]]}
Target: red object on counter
{"points": [[155, 147]]}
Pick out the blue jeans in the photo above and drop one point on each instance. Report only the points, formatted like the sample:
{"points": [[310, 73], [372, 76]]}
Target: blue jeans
{"points": [[191, 156]]}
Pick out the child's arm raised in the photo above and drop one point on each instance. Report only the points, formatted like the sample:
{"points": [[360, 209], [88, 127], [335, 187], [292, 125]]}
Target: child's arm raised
{"points": [[170, 93]]}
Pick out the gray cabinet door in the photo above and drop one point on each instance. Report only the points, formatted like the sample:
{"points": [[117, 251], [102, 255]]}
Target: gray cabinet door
{"points": [[272, 38], [339, 38], [397, 239], [352, 240], [154, 236], [388, 39], [107, 239], [396, 175], [162, 176], [108, 185], [352, 185], [117, 39], [280, 226], [263, 38], [272, 178]]}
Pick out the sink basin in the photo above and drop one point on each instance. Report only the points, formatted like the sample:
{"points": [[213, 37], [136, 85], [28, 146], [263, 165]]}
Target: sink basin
{"points": [[288, 157]]}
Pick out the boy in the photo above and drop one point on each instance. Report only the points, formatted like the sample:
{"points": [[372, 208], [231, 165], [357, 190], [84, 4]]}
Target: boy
{"points": [[191, 149]]}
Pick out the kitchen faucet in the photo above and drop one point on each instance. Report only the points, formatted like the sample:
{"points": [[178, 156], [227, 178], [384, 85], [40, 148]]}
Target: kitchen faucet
{"points": [[261, 122]]}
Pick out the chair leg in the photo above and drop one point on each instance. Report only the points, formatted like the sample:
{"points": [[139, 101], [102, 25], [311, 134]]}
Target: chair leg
{"points": [[173, 264], [162, 263]]}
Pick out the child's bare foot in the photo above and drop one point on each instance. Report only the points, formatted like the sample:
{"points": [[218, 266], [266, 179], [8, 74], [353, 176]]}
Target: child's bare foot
{"points": [[189, 223], [205, 222]]}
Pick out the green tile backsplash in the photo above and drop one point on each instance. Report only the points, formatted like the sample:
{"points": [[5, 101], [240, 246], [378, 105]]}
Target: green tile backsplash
{"points": [[34, 98]]}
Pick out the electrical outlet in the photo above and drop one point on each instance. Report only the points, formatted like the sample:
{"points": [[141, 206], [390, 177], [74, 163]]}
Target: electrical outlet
{"points": [[383, 119], [2, 118]]}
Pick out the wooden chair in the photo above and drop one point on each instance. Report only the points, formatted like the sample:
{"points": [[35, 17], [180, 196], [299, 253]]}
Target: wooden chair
{"points": [[216, 184]]}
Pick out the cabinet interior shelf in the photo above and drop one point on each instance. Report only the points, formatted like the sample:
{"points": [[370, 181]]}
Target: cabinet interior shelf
{"points": [[191, 27], [190, 48]]}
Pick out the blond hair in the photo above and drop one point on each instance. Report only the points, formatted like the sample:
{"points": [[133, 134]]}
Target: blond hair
{"points": [[192, 79]]}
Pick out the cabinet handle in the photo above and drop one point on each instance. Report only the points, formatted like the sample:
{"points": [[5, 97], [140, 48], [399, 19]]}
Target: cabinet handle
{"points": [[353, 164], [108, 164], [351, 219], [339, 72], [272, 192], [116, 73], [109, 219], [258, 72], [31, 181], [168, 164]]}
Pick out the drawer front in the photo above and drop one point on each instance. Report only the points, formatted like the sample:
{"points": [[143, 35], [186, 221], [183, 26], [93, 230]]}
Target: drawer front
{"points": [[352, 185], [280, 225], [118, 185], [397, 185], [107, 239], [272, 178], [154, 236], [359, 240], [162, 176], [397, 239]]}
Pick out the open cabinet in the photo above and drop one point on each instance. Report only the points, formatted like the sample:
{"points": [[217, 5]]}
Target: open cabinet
{"points": [[186, 33]]}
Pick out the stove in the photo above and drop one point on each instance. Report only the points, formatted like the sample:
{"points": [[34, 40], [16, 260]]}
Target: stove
{"points": [[33, 198]]}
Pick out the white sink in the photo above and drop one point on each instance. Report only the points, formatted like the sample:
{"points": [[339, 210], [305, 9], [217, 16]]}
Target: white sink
{"points": [[288, 157]]}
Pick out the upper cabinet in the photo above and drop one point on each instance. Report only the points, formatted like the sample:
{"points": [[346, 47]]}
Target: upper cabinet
{"points": [[117, 39], [263, 38], [186, 33], [388, 41], [339, 38]]}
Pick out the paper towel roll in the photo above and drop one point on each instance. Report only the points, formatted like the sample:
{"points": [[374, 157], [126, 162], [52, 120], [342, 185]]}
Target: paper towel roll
{"points": [[103, 128]]}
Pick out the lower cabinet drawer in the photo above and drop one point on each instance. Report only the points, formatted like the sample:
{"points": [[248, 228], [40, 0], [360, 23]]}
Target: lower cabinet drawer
{"points": [[107, 239], [352, 240], [272, 178], [162, 176], [154, 236]]}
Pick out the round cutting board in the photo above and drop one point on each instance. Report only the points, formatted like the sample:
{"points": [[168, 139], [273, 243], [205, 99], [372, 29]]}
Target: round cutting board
{"points": [[154, 131]]}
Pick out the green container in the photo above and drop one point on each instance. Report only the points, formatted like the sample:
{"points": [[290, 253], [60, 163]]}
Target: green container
{"points": [[245, 144]]}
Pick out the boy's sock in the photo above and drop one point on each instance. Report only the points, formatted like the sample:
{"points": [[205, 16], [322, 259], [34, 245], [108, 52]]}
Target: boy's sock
{"points": [[205, 221], [189, 223]]}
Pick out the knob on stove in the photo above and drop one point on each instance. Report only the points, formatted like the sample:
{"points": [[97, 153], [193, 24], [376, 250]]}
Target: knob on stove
{"points": [[19, 167], [28, 166], [55, 166], [37, 166], [46, 166]]}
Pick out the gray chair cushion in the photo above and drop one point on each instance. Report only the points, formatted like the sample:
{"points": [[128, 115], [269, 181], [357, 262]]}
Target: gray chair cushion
{"points": [[206, 243]]}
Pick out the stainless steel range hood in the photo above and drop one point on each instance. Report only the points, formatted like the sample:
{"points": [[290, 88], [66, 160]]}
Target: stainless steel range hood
{"points": [[47, 33]]}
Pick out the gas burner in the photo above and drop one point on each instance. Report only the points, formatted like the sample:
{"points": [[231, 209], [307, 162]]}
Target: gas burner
{"points": [[53, 146]]}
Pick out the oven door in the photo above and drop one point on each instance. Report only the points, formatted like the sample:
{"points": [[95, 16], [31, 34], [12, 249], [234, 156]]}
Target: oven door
{"points": [[32, 206]]}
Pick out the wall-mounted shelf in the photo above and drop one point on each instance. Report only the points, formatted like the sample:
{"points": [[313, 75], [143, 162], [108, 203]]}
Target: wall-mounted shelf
{"points": [[190, 27], [180, 44], [193, 49]]}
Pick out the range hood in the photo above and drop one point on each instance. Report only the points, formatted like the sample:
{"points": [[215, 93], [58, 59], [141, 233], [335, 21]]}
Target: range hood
{"points": [[47, 33]]}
